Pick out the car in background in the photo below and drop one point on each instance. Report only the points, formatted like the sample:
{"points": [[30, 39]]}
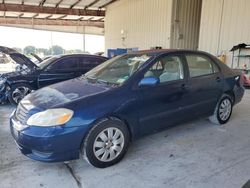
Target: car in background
{"points": [[30, 76], [245, 77], [7, 64], [121, 100]]}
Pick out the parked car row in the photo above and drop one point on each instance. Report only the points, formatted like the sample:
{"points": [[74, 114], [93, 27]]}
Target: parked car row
{"points": [[30, 76], [98, 114]]}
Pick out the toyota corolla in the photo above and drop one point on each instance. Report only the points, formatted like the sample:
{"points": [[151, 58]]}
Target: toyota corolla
{"points": [[131, 95]]}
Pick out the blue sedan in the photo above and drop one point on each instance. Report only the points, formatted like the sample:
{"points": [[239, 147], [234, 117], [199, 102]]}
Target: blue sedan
{"points": [[98, 114]]}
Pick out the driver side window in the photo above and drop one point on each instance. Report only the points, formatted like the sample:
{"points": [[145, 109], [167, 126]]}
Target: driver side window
{"points": [[70, 63], [167, 69]]}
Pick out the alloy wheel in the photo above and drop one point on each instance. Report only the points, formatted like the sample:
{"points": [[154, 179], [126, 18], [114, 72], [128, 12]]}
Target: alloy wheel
{"points": [[225, 109], [19, 93], [108, 144]]}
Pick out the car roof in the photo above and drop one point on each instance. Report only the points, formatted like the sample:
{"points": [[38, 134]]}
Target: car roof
{"points": [[163, 51], [79, 54]]}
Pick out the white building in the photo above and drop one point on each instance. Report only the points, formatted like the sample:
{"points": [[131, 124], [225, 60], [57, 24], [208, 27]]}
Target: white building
{"points": [[214, 26]]}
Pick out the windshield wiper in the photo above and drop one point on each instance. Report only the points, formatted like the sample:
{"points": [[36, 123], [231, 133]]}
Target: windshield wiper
{"points": [[102, 81], [106, 82]]}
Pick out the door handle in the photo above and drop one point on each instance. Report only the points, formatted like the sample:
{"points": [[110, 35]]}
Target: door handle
{"points": [[218, 79], [184, 87]]}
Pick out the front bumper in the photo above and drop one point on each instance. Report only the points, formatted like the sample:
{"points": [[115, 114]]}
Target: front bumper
{"points": [[48, 144]]}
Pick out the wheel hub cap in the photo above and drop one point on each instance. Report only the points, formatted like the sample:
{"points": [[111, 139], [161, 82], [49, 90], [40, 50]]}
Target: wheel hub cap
{"points": [[108, 144], [225, 109]]}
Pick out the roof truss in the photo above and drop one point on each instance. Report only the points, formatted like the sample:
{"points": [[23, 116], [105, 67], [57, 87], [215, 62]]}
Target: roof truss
{"points": [[50, 10]]}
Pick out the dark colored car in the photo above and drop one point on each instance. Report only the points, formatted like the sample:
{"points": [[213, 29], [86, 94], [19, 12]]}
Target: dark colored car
{"points": [[15, 85], [121, 100]]}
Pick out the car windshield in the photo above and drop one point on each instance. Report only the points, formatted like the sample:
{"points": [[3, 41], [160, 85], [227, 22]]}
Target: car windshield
{"points": [[46, 62], [117, 70]]}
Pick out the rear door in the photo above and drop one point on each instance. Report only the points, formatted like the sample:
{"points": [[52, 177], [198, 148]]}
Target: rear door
{"points": [[87, 63], [205, 84], [63, 69]]}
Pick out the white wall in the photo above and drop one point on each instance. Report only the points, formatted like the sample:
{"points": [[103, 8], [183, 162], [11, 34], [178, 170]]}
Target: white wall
{"points": [[146, 23], [224, 23]]}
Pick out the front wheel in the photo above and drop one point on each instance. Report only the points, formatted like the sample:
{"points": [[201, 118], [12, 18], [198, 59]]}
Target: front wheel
{"points": [[18, 92], [222, 111], [106, 143]]}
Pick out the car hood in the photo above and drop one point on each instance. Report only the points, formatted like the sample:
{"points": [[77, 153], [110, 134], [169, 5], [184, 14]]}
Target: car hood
{"points": [[17, 57], [14, 75], [64, 92]]}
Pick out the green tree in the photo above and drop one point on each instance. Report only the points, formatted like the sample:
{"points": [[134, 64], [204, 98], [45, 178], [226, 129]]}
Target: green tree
{"points": [[43, 51], [29, 49], [75, 51], [56, 50]]}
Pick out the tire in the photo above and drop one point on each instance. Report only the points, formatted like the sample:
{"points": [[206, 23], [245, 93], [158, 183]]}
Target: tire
{"points": [[223, 110], [102, 150], [18, 92]]}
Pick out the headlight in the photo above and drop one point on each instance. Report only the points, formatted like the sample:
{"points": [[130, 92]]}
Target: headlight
{"points": [[51, 117]]}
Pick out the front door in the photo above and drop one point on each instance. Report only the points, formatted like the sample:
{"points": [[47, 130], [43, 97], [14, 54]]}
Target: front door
{"points": [[161, 104], [61, 70]]}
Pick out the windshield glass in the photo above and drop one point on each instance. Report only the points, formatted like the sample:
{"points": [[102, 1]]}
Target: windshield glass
{"points": [[119, 69], [46, 62]]}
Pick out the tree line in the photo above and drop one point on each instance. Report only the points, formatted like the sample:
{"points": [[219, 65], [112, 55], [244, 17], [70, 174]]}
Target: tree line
{"points": [[54, 50]]}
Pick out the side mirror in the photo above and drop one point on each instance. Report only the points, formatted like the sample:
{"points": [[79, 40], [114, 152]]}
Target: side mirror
{"points": [[149, 81]]}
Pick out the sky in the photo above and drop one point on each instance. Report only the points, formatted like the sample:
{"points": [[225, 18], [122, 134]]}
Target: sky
{"points": [[18, 37]]}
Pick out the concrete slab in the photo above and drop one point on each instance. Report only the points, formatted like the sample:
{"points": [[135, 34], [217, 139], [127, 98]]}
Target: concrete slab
{"points": [[196, 154]]}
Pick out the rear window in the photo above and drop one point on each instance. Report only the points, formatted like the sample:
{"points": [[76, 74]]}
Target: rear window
{"points": [[200, 65]]}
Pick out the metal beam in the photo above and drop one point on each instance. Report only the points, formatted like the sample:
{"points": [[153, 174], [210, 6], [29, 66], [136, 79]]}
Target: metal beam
{"points": [[42, 3], [61, 17], [91, 4], [100, 19], [90, 19], [81, 18], [49, 16], [57, 5], [50, 10], [106, 4], [27, 21], [78, 1], [35, 15], [20, 15]]}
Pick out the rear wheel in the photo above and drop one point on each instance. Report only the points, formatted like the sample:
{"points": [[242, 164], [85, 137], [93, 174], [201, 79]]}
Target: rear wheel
{"points": [[223, 110], [106, 143], [18, 92]]}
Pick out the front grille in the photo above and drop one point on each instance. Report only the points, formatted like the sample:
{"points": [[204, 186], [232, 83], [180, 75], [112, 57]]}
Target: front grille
{"points": [[21, 113]]}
